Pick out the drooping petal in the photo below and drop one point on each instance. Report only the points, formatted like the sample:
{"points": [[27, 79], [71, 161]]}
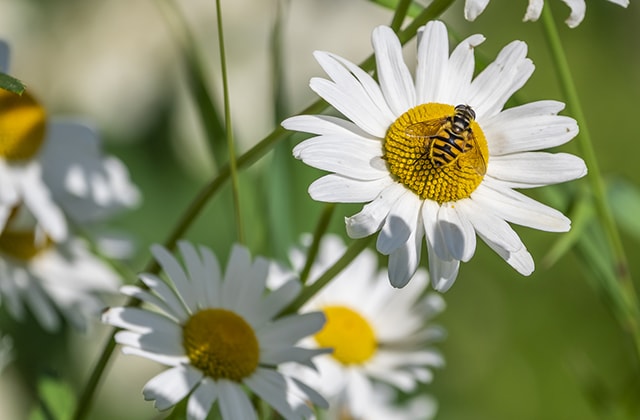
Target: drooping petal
{"points": [[399, 223], [404, 261], [457, 232], [234, 403], [578, 9], [370, 219], [534, 9], [202, 399]]}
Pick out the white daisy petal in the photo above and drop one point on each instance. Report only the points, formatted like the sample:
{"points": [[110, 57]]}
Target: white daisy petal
{"points": [[534, 9], [460, 70], [433, 233], [517, 208], [529, 127], [213, 278], [166, 293], [490, 226], [136, 319], [521, 259], [171, 386], [443, 271], [348, 157], [163, 359], [349, 106], [271, 387], [339, 189], [37, 198], [395, 79], [578, 9], [432, 69], [202, 399], [168, 342], [324, 125], [473, 8], [457, 231], [534, 169], [234, 403], [403, 262], [399, 223], [177, 275], [373, 215]]}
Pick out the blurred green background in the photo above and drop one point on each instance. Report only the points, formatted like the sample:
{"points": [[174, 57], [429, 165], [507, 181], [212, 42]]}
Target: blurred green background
{"points": [[541, 347]]}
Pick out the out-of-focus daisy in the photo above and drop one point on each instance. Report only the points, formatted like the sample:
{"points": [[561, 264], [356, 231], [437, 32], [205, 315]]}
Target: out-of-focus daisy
{"points": [[473, 8], [50, 279], [438, 157], [378, 333], [219, 334], [54, 166]]}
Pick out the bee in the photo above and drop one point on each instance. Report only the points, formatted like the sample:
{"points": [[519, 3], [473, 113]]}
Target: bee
{"points": [[453, 137]]}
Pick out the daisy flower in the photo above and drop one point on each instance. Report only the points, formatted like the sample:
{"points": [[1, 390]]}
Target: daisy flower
{"points": [[51, 280], [52, 167], [437, 157], [473, 8], [378, 334], [219, 335]]}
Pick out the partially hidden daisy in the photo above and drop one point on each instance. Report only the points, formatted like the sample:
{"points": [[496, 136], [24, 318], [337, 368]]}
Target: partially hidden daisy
{"points": [[437, 157], [220, 335], [473, 8], [379, 335], [54, 281], [54, 167]]}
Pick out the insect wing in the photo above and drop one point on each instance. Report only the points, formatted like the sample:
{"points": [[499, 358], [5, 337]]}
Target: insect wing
{"points": [[478, 162], [425, 129]]}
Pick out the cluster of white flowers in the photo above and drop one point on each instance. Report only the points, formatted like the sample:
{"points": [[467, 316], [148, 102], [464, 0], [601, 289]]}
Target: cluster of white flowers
{"points": [[436, 158], [53, 175]]}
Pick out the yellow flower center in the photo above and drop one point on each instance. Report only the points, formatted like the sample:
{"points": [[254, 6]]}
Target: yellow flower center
{"points": [[349, 334], [221, 344], [437, 151], [22, 245], [22, 125]]}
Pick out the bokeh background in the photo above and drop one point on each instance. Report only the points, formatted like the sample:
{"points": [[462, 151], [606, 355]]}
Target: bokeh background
{"points": [[541, 347]]}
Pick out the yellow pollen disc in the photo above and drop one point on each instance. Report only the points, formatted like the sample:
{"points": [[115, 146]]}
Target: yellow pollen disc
{"points": [[22, 125], [22, 244], [221, 344], [349, 334], [410, 140]]}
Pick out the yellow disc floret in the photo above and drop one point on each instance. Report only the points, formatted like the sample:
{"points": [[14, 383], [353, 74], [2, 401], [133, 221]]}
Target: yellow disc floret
{"points": [[22, 125], [349, 334], [432, 157], [221, 344], [22, 244]]}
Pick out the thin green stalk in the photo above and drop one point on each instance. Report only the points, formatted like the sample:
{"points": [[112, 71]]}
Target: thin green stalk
{"points": [[399, 14], [235, 185], [321, 229], [585, 143], [210, 189], [349, 255]]}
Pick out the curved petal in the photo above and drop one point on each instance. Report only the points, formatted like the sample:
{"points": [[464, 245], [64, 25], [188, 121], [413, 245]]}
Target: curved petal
{"points": [[370, 219], [364, 115], [473, 8], [533, 10], [520, 260], [272, 388], [399, 223], [460, 70], [443, 272], [404, 261], [517, 208], [395, 79], [578, 9], [490, 226], [171, 386], [176, 274], [234, 403]]}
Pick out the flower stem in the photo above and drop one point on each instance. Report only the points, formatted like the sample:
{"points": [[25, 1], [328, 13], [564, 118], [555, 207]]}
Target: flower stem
{"points": [[321, 228], [228, 129], [624, 285]]}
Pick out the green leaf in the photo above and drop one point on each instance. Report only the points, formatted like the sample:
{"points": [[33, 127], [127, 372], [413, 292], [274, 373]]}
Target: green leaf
{"points": [[56, 400], [11, 84]]}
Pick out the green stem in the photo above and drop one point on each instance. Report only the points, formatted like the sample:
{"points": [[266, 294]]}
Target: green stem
{"points": [[210, 189], [349, 255], [227, 122], [321, 228], [399, 14], [625, 283]]}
